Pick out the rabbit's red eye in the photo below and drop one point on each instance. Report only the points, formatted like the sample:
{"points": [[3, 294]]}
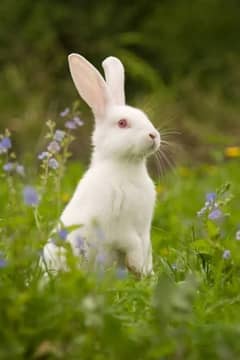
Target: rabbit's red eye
{"points": [[122, 123]]}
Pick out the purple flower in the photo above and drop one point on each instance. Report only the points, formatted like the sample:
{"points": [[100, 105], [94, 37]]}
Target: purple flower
{"points": [[6, 143], [81, 245], [30, 196], [8, 167], [65, 112], [53, 147], [215, 215], [100, 258], [59, 135], [211, 197], [78, 121], [63, 234], [53, 163], [238, 235], [226, 254], [3, 262], [79, 242], [121, 273], [20, 169], [71, 125], [43, 155]]}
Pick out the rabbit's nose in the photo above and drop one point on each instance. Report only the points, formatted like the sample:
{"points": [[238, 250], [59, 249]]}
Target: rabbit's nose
{"points": [[152, 135]]}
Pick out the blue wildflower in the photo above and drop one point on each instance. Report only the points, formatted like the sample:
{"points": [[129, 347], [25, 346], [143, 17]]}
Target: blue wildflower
{"points": [[53, 163], [6, 143], [53, 147], [63, 234], [100, 258], [226, 254], [43, 155], [81, 245], [211, 197], [8, 167], [65, 112], [3, 262], [78, 121], [215, 215], [79, 242], [71, 125], [121, 273], [59, 135], [30, 196]]}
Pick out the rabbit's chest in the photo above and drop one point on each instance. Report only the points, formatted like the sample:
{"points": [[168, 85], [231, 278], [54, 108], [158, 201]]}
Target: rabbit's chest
{"points": [[116, 203], [132, 203]]}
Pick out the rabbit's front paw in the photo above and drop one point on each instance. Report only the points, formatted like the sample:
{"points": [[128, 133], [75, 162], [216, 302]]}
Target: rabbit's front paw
{"points": [[134, 262], [148, 266]]}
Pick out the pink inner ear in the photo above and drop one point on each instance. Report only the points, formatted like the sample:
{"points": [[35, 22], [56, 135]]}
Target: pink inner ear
{"points": [[89, 83]]}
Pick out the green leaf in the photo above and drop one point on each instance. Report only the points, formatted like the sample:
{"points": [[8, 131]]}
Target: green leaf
{"points": [[213, 229], [202, 246]]}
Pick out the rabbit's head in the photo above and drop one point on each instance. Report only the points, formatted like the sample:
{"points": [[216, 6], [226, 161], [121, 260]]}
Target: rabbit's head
{"points": [[121, 131]]}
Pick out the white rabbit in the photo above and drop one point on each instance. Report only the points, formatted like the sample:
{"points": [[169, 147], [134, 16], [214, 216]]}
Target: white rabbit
{"points": [[114, 201]]}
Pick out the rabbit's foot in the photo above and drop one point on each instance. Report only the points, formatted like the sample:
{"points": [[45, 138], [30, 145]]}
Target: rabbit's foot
{"points": [[134, 262]]}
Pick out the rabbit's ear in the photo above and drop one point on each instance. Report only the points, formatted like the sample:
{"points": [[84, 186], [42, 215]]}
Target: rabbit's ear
{"points": [[114, 74], [89, 83]]}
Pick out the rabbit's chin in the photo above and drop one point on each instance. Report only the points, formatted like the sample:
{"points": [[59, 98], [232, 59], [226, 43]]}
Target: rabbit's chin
{"points": [[146, 153], [151, 149], [143, 152]]}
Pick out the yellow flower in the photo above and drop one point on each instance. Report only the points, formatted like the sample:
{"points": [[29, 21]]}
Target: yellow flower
{"points": [[65, 197], [159, 188], [232, 151], [184, 171], [164, 252], [211, 168]]}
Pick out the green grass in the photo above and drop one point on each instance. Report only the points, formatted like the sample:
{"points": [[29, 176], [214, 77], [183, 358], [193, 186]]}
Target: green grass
{"points": [[188, 310]]}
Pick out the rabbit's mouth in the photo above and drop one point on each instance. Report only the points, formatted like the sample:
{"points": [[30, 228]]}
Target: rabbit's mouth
{"points": [[154, 145], [155, 140], [151, 149]]}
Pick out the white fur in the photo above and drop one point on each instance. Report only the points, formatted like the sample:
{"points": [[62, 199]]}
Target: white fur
{"points": [[114, 201], [114, 73]]}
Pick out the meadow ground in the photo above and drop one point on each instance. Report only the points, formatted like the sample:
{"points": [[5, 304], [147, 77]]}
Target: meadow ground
{"points": [[188, 310]]}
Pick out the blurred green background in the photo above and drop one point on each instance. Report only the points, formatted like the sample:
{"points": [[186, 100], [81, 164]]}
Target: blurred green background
{"points": [[181, 58]]}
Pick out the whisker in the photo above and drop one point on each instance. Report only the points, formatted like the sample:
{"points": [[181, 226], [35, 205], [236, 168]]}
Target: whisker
{"points": [[167, 160], [169, 132], [161, 163], [158, 166], [167, 143]]}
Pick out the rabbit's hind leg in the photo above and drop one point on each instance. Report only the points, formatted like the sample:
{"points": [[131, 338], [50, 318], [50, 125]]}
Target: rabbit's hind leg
{"points": [[134, 259], [53, 259]]}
